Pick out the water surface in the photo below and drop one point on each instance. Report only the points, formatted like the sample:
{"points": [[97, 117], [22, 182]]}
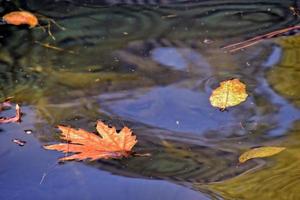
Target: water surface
{"points": [[152, 65]]}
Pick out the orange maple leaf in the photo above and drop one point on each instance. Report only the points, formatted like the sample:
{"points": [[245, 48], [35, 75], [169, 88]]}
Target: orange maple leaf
{"points": [[88, 145]]}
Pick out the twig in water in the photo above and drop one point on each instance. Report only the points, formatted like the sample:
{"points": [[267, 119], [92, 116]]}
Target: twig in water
{"points": [[252, 41], [47, 45], [47, 172]]}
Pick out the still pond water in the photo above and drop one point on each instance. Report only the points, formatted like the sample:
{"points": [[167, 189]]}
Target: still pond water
{"points": [[152, 65]]}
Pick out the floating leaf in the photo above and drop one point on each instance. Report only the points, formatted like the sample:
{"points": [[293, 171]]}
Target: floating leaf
{"points": [[260, 152], [87, 145], [20, 18], [230, 93], [16, 118]]}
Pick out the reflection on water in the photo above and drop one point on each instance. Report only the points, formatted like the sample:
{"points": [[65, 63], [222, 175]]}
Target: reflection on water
{"points": [[162, 107], [279, 179], [152, 65]]}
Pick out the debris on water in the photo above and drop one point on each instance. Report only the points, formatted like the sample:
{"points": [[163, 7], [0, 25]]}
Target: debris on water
{"points": [[142, 154], [49, 46], [169, 16], [19, 142], [295, 11], [16, 118], [28, 131], [207, 41]]}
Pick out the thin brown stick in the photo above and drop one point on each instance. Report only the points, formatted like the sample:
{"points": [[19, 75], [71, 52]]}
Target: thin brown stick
{"points": [[243, 47], [252, 41], [49, 31], [47, 45], [141, 154], [43, 17]]}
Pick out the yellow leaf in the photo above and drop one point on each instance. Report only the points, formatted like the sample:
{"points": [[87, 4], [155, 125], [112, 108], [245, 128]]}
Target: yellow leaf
{"points": [[230, 93], [260, 152]]}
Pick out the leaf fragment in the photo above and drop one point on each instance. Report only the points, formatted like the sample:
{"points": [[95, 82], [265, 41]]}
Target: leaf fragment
{"points": [[87, 145], [260, 152], [20, 18], [19, 142], [16, 118], [229, 93]]}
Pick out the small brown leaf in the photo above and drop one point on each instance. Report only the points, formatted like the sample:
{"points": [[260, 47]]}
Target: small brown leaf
{"points": [[87, 145], [230, 93], [20, 18], [260, 152], [16, 118]]}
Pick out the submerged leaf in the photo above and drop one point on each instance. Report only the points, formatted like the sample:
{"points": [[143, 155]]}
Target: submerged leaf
{"points": [[20, 18], [260, 152], [230, 93], [87, 145]]}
